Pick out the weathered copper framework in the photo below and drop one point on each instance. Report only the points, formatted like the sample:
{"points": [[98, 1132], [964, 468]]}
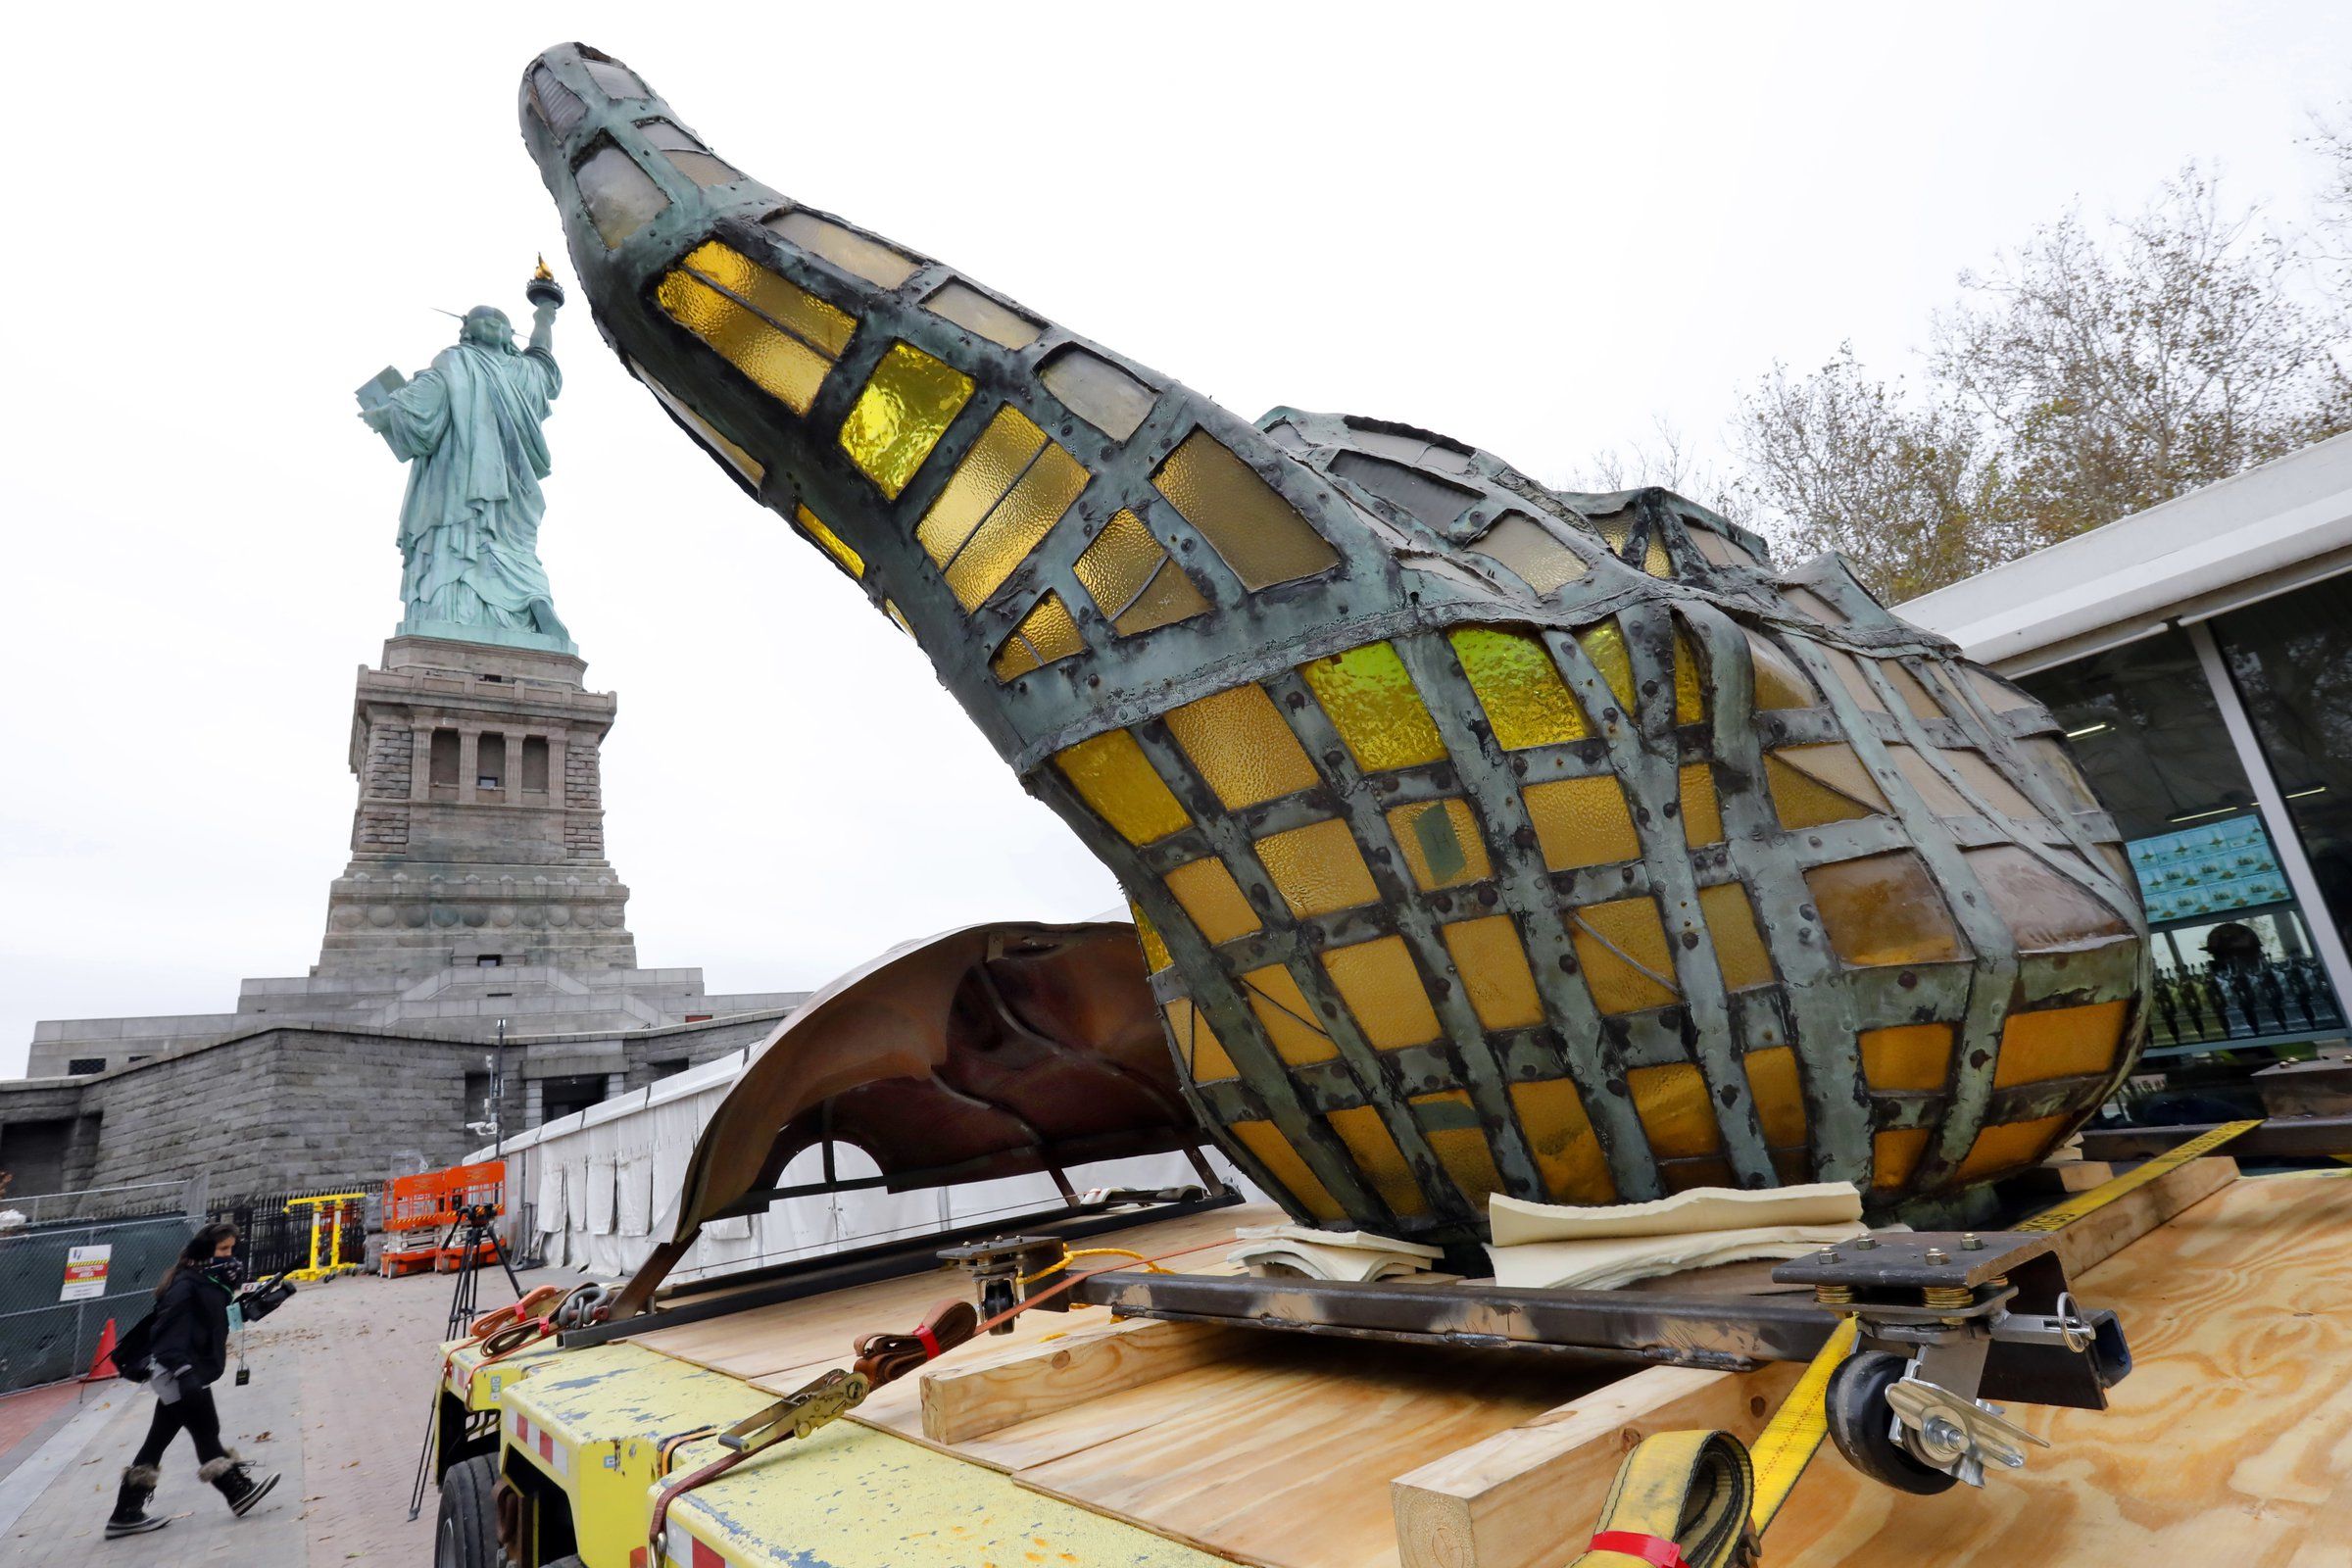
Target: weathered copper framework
{"points": [[1483, 837]]}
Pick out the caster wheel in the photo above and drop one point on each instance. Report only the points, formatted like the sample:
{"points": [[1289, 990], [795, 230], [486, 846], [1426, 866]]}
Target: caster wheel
{"points": [[1860, 1421]]}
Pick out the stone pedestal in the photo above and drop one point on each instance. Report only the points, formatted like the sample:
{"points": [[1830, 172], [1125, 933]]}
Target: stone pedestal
{"points": [[478, 837]]}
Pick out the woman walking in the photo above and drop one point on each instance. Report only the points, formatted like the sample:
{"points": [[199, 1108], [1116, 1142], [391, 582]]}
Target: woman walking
{"points": [[185, 1351]]}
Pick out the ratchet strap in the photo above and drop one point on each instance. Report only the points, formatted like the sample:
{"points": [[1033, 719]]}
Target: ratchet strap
{"points": [[1680, 1500], [2059, 1217]]}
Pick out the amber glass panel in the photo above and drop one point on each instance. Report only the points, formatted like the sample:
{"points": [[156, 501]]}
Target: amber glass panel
{"points": [[743, 461], [1605, 645], [832, 543], [1916, 697], [1098, 391], [779, 363], [2060, 1042], [1155, 948], [1703, 811], [1216, 901], [1111, 774], [1815, 784], [617, 79], [1289, 1022], [793, 308], [1440, 843], [1934, 789], [1282, 1163], [1493, 972], [1884, 909], [1202, 1052], [1718, 550], [1377, 1155], [1132, 580], [1672, 1103], [1045, 634], [556, 102], [896, 616], [2044, 909], [1805, 602], [1895, 1155], [620, 197], [1779, 1095], [900, 417], [1259, 535], [998, 457], [1242, 747], [1371, 701], [1995, 694], [1378, 982], [1655, 557], [1552, 1116], [860, 255], [1690, 699], [1978, 774], [1910, 1055], [1622, 946], [1520, 542], [1582, 821], [1462, 1149], [1317, 868], [1779, 682], [1519, 687], [1731, 926], [2008, 1145], [1615, 530], [992, 320], [1027, 514], [2052, 757], [1849, 675]]}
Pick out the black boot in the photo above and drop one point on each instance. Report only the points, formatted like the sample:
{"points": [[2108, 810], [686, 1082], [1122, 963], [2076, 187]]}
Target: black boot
{"points": [[130, 1517], [228, 1475]]}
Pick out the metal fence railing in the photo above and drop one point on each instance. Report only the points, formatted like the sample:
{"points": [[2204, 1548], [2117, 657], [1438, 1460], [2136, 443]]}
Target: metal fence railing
{"points": [[62, 1281], [134, 1200], [272, 1237]]}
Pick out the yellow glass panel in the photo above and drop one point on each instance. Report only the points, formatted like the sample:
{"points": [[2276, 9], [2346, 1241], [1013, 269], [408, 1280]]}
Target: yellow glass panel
{"points": [[1582, 821], [1317, 868], [1155, 948], [1520, 542], [1111, 774], [891, 610], [1672, 1103], [1462, 1149], [1381, 1162], [1605, 645], [1978, 774], [2009, 1146], [2044, 909], [1259, 535], [1495, 972], [832, 543], [1615, 530], [2059, 1043], [1894, 1155], [1815, 784], [1884, 909], [860, 254], [1732, 925], [1558, 1134], [1622, 947], [1216, 901], [1282, 1163], [779, 365], [1026, 515], [1655, 558], [979, 482], [1371, 701], [905, 407], [1690, 701], [1045, 634], [1519, 687], [820, 326], [1131, 579], [1202, 1052], [992, 320], [1378, 982], [1907, 1057], [1849, 675], [1242, 747], [1779, 681], [1934, 789], [742, 462], [1703, 811], [1282, 1010], [1916, 697], [1440, 843], [1779, 1095]]}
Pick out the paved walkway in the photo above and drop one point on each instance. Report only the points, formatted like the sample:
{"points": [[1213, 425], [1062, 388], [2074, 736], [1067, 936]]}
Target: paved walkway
{"points": [[341, 1384]]}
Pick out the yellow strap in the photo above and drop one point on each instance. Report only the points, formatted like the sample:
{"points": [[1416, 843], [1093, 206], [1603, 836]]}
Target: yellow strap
{"points": [[2061, 1215], [1787, 1445], [1693, 1489]]}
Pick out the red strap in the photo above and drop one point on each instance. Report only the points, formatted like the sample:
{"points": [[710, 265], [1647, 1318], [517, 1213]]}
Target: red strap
{"points": [[930, 1341], [1650, 1548]]}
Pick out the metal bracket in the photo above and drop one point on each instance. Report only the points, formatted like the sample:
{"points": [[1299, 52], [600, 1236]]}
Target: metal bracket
{"points": [[1952, 1431]]}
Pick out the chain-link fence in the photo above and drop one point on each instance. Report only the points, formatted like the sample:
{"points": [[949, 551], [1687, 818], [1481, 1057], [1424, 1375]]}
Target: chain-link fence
{"points": [[63, 1279]]}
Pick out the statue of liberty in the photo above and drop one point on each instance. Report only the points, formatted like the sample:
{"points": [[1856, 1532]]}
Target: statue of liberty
{"points": [[469, 430]]}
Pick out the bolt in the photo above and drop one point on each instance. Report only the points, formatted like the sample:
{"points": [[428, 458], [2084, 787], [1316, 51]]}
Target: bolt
{"points": [[1863, 1244], [1971, 1242], [1828, 1254], [1941, 1433], [1937, 1255]]}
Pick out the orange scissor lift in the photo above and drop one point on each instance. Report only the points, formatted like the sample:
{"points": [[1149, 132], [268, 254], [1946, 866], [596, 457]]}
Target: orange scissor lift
{"points": [[427, 1212]]}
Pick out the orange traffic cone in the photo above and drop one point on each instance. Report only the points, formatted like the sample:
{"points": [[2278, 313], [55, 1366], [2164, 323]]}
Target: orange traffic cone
{"points": [[102, 1365]]}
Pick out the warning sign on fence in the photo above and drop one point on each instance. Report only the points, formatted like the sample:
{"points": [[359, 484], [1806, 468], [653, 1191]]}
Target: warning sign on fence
{"points": [[85, 1272]]}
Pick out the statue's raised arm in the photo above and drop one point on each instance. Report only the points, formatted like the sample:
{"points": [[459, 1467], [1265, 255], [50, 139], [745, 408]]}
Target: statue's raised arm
{"points": [[469, 430]]}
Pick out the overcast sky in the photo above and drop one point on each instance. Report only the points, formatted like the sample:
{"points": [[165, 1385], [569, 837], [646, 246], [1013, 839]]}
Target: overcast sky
{"points": [[1539, 231]]}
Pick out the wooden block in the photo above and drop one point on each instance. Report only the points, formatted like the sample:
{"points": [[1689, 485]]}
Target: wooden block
{"points": [[2104, 1232], [967, 1400], [1529, 1496]]}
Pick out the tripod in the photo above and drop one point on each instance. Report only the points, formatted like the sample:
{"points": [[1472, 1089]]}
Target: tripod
{"points": [[464, 1306]]}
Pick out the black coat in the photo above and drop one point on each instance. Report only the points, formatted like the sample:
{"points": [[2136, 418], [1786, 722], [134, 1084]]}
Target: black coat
{"points": [[189, 1328]]}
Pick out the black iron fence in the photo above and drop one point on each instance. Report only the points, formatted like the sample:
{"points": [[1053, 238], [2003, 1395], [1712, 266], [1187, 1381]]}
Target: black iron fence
{"points": [[274, 1233]]}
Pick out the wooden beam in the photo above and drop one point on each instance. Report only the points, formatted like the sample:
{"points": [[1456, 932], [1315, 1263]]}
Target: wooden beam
{"points": [[2104, 1232], [966, 1401]]}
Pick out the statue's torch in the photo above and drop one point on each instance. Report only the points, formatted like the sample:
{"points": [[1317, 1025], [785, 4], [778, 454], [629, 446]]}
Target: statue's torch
{"points": [[543, 291]]}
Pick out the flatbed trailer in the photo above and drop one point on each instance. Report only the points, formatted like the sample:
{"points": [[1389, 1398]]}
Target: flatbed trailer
{"points": [[1082, 1440]]}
